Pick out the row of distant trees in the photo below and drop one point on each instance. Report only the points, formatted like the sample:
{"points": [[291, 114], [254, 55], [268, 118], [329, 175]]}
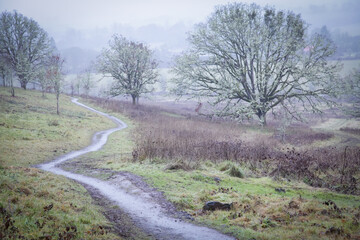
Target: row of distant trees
{"points": [[347, 47], [245, 59]]}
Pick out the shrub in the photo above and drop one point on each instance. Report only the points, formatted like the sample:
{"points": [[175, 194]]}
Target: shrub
{"points": [[54, 123], [224, 166], [351, 130], [188, 142]]}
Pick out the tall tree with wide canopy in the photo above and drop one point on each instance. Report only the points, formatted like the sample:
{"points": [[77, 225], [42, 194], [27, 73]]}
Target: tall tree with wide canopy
{"points": [[248, 60], [132, 66], [23, 44]]}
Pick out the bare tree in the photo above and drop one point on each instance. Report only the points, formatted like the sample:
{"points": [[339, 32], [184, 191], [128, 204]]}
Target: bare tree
{"points": [[247, 60], [23, 44], [86, 80], [43, 79], [55, 76], [131, 65]]}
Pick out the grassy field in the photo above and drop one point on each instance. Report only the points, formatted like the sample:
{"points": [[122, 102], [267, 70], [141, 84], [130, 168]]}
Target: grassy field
{"points": [[263, 208], [36, 204], [191, 160]]}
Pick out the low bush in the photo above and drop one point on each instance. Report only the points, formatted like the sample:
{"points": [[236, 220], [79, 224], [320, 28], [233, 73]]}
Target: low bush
{"points": [[351, 130]]}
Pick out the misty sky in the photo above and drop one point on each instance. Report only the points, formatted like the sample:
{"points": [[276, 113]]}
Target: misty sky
{"points": [[62, 15]]}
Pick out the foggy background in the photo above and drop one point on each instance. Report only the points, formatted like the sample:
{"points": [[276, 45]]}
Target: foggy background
{"points": [[81, 28]]}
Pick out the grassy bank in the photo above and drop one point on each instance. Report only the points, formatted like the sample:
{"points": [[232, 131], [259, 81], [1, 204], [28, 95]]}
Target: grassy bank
{"points": [[36, 204], [262, 207]]}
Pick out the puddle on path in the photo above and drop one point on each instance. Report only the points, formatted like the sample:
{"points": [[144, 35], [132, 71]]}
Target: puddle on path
{"points": [[138, 205]]}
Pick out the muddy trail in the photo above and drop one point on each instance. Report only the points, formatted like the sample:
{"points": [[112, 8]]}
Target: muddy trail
{"points": [[142, 212]]}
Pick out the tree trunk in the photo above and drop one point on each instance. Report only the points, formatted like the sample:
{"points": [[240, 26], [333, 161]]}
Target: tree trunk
{"points": [[12, 87], [264, 123], [133, 99], [262, 116], [57, 104], [23, 84], [4, 80]]}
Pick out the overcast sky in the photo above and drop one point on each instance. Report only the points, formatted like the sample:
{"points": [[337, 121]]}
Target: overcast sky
{"points": [[61, 15]]}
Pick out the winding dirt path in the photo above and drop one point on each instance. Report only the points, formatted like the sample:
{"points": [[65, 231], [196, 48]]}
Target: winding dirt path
{"points": [[139, 205]]}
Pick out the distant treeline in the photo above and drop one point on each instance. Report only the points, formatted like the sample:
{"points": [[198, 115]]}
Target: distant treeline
{"points": [[348, 47]]}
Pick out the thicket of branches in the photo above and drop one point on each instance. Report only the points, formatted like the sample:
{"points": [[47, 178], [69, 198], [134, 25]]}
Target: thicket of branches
{"points": [[248, 60]]}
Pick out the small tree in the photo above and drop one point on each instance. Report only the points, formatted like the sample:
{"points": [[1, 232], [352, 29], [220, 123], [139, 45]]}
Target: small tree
{"points": [[3, 71], [55, 76], [43, 79], [7, 73], [23, 44], [131, 65], [86, 81], [249, 59]]}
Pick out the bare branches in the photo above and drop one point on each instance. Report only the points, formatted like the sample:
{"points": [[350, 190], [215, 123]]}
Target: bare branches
{"points": [[131, 65], [253, 59]]}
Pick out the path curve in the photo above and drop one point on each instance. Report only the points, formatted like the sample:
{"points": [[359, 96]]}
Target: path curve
{"points": [[149, 214]]}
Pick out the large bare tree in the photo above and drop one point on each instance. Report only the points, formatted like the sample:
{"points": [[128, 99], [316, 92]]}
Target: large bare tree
{"points": [[248, 60], [132, 66], [23, 44]]}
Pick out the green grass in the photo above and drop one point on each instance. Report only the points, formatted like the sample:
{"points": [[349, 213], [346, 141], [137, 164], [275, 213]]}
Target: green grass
{"points": [[259, 211], [29, 122], [32, 133]]}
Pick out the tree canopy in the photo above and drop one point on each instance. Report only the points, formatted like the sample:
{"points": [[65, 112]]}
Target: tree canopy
{"points": [[247, 60], [131, 65], [23, 45]]}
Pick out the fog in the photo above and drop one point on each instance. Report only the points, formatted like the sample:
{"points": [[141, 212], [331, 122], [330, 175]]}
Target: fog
{"points": [[85, 26]]}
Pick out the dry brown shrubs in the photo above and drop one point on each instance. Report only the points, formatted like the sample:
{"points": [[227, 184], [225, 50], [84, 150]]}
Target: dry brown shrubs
{"points": [[192, 140]]}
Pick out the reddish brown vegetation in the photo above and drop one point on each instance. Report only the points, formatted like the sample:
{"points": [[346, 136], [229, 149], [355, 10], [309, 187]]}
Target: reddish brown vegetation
{"points": [[351, 130], [159, 136], [304, 135]]}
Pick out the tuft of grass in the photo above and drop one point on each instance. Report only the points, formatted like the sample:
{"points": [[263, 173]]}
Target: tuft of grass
{"points": [[54, 123], [231, 169], [224, 166], [235, 172]]}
